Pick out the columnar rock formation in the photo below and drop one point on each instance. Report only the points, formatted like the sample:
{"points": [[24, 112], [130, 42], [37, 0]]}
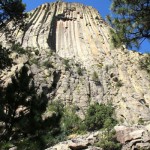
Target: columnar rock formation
{"points": [[83, 66]]}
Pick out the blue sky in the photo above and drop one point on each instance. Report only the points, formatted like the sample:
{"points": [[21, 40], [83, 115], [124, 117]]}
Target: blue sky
{"points": [[103, 6]]}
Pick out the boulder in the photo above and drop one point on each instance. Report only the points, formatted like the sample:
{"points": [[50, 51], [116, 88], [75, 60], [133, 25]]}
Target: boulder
{"points": [[133, 137], [13, 148], [78, 145]]}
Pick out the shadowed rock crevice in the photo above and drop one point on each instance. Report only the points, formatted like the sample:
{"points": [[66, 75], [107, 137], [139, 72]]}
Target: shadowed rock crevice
{"points": [[56, 78], [52, 33]]}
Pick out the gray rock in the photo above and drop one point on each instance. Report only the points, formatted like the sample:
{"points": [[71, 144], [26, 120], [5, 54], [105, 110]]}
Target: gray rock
{"points": [[13, 148]]}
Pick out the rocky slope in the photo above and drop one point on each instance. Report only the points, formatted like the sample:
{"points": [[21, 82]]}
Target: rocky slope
{"points": [[76, 63], [132, 138]]}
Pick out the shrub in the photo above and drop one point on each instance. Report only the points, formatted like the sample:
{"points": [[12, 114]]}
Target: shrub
{"points": [[108, 141], [95, 77], [34, 61], [47, 64], [145, 63], [17, 48], [80, 71], [99, 116], [5, 145], [34, 144], [119, 83], [49, 139], [71, 123], [141, 121], [66, 62], [97, 18], [100, 65], [52, 122], [36, 52], [5, 60]]}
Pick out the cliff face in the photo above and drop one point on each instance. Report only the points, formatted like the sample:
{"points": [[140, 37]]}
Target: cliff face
{"points": [[71, 30], [76, 63]]}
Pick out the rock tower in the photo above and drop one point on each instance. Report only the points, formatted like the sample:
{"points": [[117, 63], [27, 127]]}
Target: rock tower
{"points": [[76, 63]]}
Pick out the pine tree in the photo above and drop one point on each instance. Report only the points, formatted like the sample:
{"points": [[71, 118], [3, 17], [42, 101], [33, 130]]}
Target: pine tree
{"points": [[131, 21], [20, 106], [11, 9], [5, 60]]}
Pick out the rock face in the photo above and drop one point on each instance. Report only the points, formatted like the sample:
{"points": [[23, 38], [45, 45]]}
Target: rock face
{"points": [[76, 63], [133, 137]]}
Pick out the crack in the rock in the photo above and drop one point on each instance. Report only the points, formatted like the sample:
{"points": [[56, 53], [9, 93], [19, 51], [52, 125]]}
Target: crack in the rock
{"points": [[52, 34]]}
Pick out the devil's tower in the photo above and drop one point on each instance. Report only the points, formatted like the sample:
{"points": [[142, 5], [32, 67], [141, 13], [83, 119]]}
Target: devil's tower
{"points": [[76, 63]]}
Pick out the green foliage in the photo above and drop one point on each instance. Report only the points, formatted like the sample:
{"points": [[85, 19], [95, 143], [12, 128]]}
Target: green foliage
{"points": [[141, 121], [29, 144], [130, 21], [47, 64], [21, 94], [47, 132], [97, 18], [56, 107], [108, 141], [20, 50], [5, 60], [66, 120], [36, 52], [17, 48], [34, 61], [99, 116], [119, 83], [95, 77], [28, 52], [5, 145], [71, 123], [50, 139], [66, 62], [80, 71], [100, 65], [145, 63], [63, 121], [11, 9]]}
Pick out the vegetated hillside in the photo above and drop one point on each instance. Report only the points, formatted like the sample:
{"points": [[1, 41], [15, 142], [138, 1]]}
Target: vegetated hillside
{"points": [[71, 58]]}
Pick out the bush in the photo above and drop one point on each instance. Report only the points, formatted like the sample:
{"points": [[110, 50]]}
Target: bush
{"points": [[80, 71], [5, 145], [34, 61], [71, 123], [17, 48], [141, 121], [66, 62], [49, 139], [119, 83], [99, 116], [52, 122], [47, 64], [28, 144], [108, 141], [95, 77], [5, 60], [145, 63]]}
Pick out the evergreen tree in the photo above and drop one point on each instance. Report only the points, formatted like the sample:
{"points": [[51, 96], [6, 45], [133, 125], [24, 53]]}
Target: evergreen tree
{"points": [[131, 21], [5, 60], [11, 9], [20, 106]]}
